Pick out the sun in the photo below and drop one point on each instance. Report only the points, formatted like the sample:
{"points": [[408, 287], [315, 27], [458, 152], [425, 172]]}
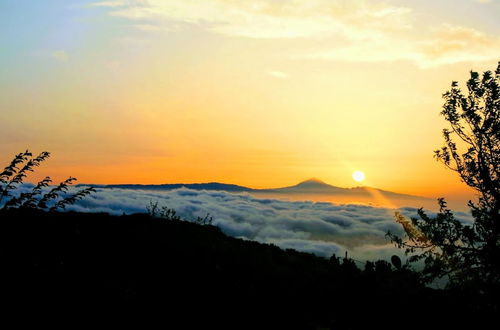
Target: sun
{"points": [[358, 176]]}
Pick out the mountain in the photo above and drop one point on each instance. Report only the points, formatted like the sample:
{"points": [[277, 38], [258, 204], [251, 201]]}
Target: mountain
{"points": [[313, 189], [317, 190], [309, 186], [194, 186]]}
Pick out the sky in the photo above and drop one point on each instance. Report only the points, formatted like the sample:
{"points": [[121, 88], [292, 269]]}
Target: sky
{"points": [[260, 93]]}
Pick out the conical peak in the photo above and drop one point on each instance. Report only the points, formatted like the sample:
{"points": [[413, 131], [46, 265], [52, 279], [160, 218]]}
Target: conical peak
{"points": [[313, 182]]}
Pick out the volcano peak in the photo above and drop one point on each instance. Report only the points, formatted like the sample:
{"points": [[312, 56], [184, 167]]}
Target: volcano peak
{"points": [[312, 182]]}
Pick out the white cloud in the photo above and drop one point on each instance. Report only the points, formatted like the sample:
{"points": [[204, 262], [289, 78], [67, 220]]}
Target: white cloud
{"points": [[452, 44], [158, 28], [107, 4], [445, 44], [320, 228], [278, 74], [273, 19], [370, 31], [60, 55]]}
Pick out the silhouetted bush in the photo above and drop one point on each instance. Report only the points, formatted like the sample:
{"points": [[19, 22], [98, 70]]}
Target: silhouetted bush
{"points": [[13, 176], [166, 213]]}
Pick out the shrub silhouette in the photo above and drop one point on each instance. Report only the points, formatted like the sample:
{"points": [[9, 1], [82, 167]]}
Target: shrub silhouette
{"points": [[13, 176], [163, 212]]}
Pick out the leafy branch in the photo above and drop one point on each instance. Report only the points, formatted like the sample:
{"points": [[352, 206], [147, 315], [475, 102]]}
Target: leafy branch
{"points": [[13, 176], [468, 254]]}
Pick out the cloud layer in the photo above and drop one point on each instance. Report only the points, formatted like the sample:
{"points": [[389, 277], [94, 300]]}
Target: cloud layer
{"points": [[444, 44], [320, 228], [361, 30], [266, 18]]}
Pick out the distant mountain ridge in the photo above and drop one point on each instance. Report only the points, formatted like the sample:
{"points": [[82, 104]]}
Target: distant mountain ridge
{"points": [[312, 186], [172, 186]]}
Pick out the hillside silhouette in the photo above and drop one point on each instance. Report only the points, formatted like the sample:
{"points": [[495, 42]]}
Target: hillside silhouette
{"points": [[139, 268]]}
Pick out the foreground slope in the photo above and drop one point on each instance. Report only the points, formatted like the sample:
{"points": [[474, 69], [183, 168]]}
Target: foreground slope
{"points": [[177, 271]]}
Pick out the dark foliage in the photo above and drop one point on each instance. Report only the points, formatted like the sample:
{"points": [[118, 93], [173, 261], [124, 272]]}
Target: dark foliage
{"points": [[13, 176], [179, 274], [467, 255]]}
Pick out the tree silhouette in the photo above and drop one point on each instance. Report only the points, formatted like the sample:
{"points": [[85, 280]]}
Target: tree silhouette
{"points": [[467, 254]]}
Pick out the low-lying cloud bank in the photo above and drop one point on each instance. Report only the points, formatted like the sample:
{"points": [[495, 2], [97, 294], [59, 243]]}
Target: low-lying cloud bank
{"points": [[317, 227]]}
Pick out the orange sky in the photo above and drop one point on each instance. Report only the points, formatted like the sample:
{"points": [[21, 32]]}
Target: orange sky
{"points": [[261, 94]]}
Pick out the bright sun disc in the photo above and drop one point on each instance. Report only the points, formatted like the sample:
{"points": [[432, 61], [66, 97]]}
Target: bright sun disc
{"points": [[358, 176]]}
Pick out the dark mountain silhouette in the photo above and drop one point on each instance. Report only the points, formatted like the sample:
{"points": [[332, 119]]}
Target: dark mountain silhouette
{"points": [[311, 185], [172, 186], [309, 189], [316, 186]]}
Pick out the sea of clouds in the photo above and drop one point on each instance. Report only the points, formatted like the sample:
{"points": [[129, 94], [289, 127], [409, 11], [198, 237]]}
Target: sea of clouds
{"points": [[317, 227]]}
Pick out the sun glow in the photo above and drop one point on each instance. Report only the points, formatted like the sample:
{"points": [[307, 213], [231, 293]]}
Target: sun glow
{"points": [[358, 176]]}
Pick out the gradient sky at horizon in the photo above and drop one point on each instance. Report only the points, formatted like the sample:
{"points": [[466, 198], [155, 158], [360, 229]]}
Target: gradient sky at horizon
{"points": [[258, 93]]}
